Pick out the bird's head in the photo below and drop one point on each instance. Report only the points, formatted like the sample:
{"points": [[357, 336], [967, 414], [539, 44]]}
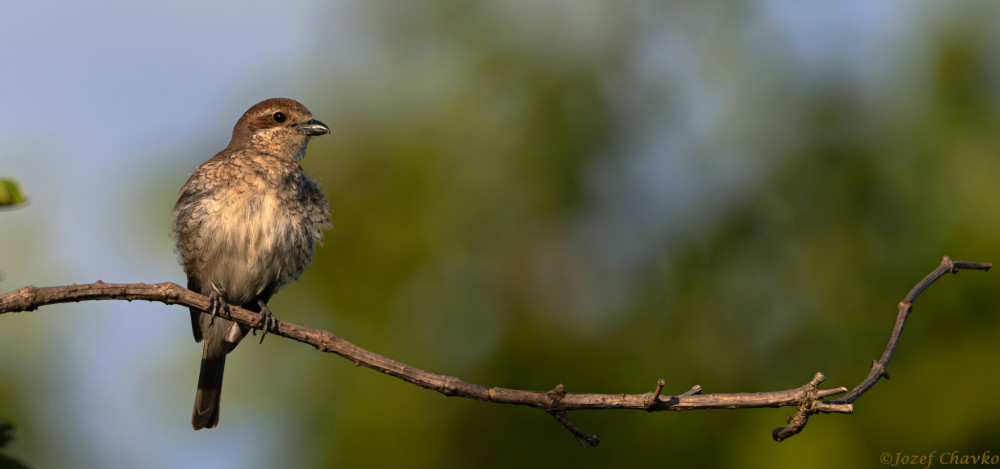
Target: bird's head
{"points": [[282, 126]]}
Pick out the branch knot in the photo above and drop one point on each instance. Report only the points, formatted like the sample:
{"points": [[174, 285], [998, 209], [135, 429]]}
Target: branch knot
{"points": [[31, 298], [555, 399]]}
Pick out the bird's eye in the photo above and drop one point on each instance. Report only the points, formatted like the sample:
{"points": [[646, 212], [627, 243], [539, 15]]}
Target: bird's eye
{"points": [[279, 117]]}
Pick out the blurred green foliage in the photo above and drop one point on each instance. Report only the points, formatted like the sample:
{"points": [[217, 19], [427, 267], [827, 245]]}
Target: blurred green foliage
{"points": [[6, 435], [462, 181]]}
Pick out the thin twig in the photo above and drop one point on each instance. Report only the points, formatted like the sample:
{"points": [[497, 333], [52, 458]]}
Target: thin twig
{"points": [[879, 367], [696, 389], [660, 383], [581, 436]]}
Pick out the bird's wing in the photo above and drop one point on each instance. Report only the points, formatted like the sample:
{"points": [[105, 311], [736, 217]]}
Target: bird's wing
{"points": [[195, 286]]}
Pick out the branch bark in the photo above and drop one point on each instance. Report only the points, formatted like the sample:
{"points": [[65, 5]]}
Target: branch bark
{"points": [[807, 399]]}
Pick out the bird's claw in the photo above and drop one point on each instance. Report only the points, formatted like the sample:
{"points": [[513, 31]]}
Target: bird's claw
{"points": [[265, 321], [216, 305]]}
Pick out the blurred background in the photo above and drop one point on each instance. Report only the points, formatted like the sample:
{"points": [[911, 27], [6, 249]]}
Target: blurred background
{"points": [[598, 194]]}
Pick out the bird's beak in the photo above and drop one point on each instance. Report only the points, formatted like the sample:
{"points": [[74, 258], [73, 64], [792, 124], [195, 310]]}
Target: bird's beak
{"points": [[313, 128]]}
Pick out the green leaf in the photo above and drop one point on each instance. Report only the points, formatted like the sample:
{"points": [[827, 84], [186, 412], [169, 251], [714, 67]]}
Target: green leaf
{"points": [[10, 192]]}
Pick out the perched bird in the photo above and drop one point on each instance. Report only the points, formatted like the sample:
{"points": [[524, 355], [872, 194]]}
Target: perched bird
{"points": [[246, 224]]}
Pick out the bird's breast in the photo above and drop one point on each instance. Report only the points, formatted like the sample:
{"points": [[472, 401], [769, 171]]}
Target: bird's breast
{"points": [[255, 241]]}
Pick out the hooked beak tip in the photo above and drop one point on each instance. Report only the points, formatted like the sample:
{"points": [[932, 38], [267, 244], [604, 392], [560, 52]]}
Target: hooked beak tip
{"points": [[314, 128]]}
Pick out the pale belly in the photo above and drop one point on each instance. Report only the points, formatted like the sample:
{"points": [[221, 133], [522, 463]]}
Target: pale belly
{"points": [[254, 246]]}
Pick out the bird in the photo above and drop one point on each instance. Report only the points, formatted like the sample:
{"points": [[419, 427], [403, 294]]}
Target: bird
{"points": [[246, 224]]}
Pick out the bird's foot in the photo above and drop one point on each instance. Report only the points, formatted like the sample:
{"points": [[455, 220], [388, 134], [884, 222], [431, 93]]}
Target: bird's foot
{"points": [[216, 305], [265, 321]]}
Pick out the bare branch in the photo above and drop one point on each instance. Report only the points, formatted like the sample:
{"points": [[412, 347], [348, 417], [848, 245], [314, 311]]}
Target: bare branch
{"points": [[879, 367], [807, 399]]}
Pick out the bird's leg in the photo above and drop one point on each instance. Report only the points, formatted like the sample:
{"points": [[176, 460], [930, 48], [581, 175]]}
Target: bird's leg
{"points": [[216, 305], [265, 321]]}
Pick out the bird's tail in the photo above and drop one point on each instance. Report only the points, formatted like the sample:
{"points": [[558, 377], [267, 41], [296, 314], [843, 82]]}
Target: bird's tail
{"points": [[206, 402]]}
